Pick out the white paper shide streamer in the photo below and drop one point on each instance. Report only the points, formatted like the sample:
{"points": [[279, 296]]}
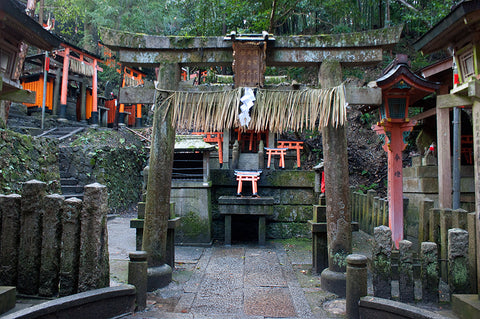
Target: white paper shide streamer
{"points": [[247, 102]]}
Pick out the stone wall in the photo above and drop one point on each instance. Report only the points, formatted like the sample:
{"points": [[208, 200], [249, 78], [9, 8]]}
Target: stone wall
{"points": [[293, 194], [24, 157], [119, 168]]}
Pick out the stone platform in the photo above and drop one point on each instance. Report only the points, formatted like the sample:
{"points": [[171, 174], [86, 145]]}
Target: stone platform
{"points": [[254, 206]]}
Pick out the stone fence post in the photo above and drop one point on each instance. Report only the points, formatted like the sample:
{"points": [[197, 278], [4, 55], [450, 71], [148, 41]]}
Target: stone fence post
{"points": [[70, 246], [94, 267], [51, 245], [382, 270], [429, 271], [137, 276], [10, 234], [423, 219], [405, 271], [33, 193], [458, 267], [356, 283]]}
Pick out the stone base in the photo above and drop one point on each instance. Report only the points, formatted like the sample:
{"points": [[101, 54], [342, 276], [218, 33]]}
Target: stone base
{"points": [[158, 277], [335, 282], [8, 298], [466, 306]]}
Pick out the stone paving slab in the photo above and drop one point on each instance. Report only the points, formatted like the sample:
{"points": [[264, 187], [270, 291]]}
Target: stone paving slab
{"points": [[269, 302], [262, 268]]}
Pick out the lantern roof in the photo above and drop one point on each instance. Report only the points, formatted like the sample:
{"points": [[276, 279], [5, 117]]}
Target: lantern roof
{"points": [[461, 22], [398, 78], [398, 75]]}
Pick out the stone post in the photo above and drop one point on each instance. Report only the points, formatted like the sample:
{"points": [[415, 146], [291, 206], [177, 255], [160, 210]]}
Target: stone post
{"points": [[458, 267], [51, 244], [423, 220], [94, 271], [137, 276], [472, 248], [33, 193], [375, 209], [319, 239], [445, 225], [337, 197], [235, 155], [70, 246], [157, 206], [434, 225], [261, 155], [405, 271], [382, 269], [459, 218], [429, 271], [356, 283], [10, 234]]}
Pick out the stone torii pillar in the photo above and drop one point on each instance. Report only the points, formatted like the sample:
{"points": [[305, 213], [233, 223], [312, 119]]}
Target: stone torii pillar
{"points": [[337, 192], [157, 207]]}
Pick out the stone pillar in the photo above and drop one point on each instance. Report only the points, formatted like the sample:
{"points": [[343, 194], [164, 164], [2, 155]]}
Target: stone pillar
{"points": [[51, 244], [405, 271], [337, 197], [235, 155], [10, 234], [445, 225], [356, 283], [434, 225], [33, 193], [472, 248], [381, 256], [226, 148], [94, 271], [458, 267], [429, 271], [137, 276], [319, 239], [423, 219], [476, 161], [261, 155], [157, 206], [70, 246]]}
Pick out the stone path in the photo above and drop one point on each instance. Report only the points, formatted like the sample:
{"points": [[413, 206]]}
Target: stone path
{"points": [[240, 281]]}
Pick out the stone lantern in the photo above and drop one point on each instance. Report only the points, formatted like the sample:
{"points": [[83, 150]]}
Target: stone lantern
{"points": [[400, 88]]}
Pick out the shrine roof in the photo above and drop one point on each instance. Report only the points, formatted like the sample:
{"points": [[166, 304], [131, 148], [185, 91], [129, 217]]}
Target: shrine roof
{"points": [[22, 27], [462, 21]]}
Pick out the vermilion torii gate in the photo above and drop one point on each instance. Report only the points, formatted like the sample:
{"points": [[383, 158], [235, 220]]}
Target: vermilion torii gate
{"points": [[328, 52]]}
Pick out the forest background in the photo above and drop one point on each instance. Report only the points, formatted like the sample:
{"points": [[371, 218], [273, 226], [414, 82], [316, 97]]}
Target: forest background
{"points": [[79, 21]]}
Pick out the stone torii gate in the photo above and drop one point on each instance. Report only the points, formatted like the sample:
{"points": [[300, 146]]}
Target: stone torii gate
{"points": [[329, 52]]}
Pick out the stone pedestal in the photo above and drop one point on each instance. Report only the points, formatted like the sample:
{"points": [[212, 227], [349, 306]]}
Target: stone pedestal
{"points": [[259, 206]]}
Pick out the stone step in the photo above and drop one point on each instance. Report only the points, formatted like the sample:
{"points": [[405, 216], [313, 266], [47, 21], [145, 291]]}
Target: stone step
{"points": [[72, 189], [68, 181], [8, 298]]}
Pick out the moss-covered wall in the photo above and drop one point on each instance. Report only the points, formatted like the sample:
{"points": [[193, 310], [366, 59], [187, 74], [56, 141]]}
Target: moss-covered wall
{"points": [[115, 159], [23, 158]]}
